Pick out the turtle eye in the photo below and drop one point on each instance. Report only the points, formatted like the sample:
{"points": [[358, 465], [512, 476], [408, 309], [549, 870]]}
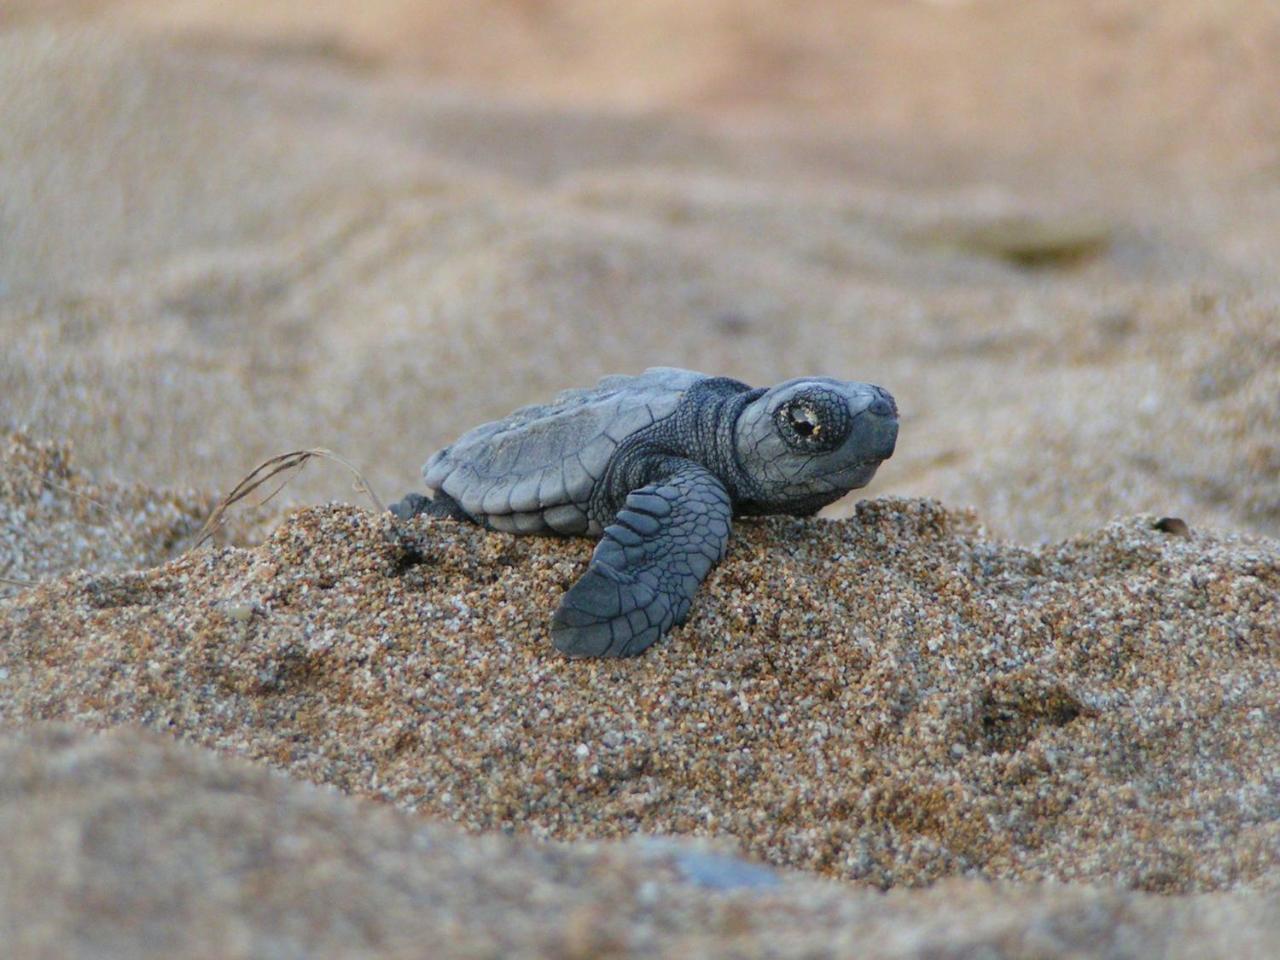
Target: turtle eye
{"points": [[804, 420], [816, 422]]}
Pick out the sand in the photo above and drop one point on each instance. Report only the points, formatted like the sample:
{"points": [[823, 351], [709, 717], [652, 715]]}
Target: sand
{"points": [[231, 230], [892, 699], [133, 846], [280, 251]]}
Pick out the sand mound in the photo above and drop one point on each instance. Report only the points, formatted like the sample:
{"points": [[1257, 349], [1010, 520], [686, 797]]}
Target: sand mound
{"points": [[892, 698]]}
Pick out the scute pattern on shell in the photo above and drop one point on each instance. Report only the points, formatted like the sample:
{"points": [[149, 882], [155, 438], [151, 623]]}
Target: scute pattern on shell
{"points": [[523, 471]]}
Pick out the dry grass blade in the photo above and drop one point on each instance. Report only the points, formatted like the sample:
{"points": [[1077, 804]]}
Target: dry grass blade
{"points": [[281, 463], [17, 583]]}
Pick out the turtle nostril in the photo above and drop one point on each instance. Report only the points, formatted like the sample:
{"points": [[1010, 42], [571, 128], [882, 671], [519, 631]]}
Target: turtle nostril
{"points": [[883, 406]]}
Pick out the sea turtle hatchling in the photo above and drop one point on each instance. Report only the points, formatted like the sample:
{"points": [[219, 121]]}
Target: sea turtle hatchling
{"points": [[656, 465]]}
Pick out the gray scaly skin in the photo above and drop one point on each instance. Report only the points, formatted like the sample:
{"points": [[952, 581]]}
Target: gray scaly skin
{"points": [[656, 466]]}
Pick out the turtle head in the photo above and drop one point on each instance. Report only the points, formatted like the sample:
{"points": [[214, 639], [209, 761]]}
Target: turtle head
{"points": [[807, 442]]}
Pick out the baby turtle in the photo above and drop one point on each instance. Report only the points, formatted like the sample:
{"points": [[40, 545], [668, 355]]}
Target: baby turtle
{"points": [[657, 465]]}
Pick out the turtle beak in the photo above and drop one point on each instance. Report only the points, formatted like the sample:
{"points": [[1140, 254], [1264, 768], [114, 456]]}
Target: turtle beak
{"points": [[879, 425], [888, 439]]}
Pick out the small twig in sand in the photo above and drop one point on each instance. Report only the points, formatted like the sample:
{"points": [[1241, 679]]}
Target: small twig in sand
{"points": [[17, 583], [272, 468]]}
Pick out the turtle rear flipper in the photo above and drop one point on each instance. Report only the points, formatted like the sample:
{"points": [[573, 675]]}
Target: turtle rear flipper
{"points": [[441, 505], [647, 567]]}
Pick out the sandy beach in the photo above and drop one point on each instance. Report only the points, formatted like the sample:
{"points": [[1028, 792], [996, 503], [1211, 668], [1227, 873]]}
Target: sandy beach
{"points": [[997, 703]]}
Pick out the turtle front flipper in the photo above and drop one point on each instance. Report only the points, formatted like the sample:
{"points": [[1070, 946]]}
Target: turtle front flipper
{"points": [[647, 567]]}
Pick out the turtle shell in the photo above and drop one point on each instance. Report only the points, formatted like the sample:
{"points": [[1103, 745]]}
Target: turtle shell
{"points": [[535, 469]]}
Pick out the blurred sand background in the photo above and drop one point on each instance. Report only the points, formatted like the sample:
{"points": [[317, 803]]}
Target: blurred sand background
{"points": [[232, 229]]}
